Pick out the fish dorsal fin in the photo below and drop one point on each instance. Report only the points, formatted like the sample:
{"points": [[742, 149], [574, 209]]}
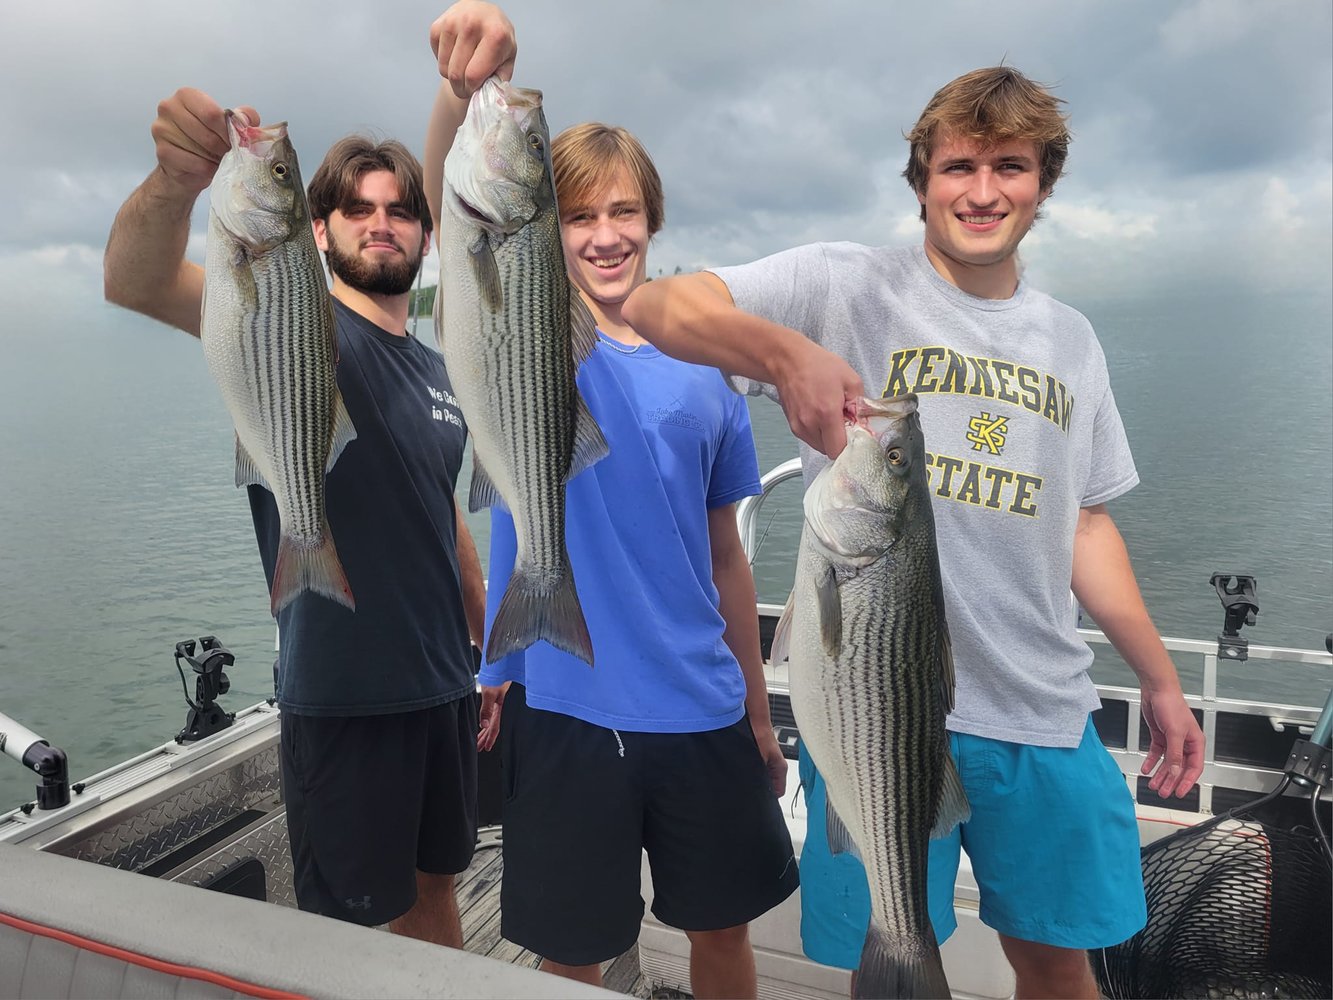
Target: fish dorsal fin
{"points": [[487, 273], [953, 807], [582, 327], [482, 493], [839, 840], [590, 445], [830, 611], [247, 473], [944, 661], [781, 646], [342, 430]]}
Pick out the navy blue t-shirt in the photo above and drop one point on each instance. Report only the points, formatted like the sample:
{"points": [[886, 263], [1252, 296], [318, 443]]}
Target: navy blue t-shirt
{"points": [[391, 512]]}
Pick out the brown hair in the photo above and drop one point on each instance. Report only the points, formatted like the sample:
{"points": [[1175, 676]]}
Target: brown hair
{"points": [[335, 183], [993, 105], [585, 157]]}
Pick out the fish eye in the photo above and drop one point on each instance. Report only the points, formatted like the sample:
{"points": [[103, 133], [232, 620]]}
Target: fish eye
{"points": [[280, 171], [535, 141], [896, 456]]}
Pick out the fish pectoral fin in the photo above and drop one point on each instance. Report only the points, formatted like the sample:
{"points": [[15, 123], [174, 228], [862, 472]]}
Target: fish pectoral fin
{"points": [[582, 327], [953, 807], [781, 646], [482, 492], [437, 317], [829, 603], [247, 473], [341, 432], [944, 660], [839, 840], [590, 445], [487, 273]]}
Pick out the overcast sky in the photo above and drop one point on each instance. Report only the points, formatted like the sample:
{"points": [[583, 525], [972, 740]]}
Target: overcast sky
{"points": [[1202, 130]]}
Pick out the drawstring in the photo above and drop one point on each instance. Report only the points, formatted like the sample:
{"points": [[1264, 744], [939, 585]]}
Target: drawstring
{"points": [[618, 742]]}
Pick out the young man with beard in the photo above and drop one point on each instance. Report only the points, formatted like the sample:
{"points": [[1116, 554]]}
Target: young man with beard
{"points": [[667, 746], [379, 721], [1026, 449]]}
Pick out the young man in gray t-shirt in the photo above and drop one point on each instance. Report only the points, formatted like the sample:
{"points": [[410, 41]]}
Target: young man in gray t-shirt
{"points": [[1026, 447]]}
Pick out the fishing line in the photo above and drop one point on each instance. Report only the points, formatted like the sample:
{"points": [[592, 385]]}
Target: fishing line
{"points": [[760, 544]]}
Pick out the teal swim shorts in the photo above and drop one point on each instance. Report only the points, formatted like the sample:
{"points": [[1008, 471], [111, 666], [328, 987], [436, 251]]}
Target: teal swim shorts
{"points": [[1053, 842]]}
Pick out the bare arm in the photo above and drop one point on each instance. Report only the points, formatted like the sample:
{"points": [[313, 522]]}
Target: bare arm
{"points": [[1103, 581], [473, 583], [736, 604], [693, 317], [144, 268], [472, 41]]}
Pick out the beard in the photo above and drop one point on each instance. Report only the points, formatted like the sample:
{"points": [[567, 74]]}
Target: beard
{"points": [[377, 277]]}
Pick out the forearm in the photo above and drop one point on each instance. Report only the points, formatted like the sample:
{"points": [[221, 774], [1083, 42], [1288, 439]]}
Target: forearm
{"points": [[693, 317], [144, 267], [446, 115], [736, 604], [1103, 581], [472, 582]]}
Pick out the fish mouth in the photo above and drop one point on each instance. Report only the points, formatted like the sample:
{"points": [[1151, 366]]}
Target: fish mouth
{"points": [[257, 139], [892, 407]]}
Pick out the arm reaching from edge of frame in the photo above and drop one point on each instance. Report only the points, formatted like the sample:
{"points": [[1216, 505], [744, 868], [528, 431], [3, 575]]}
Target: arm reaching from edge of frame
{"points": [[693, 317], [144, 267]]}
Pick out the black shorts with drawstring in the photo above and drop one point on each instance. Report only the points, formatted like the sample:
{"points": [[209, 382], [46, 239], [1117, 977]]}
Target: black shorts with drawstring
{"points": [[373, 798], [583, 802]]}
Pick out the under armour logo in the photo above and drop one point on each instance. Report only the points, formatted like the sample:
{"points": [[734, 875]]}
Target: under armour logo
{"points": [[357, 904]]}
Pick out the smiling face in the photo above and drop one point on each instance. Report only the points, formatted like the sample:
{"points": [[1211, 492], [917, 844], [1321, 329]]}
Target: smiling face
{"points": [[606, 243], [374, 243], [979, 202]]}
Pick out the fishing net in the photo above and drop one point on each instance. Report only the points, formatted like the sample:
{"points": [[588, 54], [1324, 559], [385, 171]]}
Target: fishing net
{"points": [[1238, 906]]}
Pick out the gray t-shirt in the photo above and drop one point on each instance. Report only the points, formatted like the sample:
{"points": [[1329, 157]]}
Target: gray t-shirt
{"points": [[1021, 430]]}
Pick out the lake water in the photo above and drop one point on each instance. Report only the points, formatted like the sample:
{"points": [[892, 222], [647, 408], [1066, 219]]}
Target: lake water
{"points": [[121, 532]]}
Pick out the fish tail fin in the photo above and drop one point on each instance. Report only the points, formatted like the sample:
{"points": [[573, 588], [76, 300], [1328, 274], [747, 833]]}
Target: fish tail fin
{"points": [[309, 567], [901, 966], [531, 609]]}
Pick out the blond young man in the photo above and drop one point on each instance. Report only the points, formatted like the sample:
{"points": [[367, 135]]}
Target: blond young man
{"points": [[1026, 449], [667, 746]]}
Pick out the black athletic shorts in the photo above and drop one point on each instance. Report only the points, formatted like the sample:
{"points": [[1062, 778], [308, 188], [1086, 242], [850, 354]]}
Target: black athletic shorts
{"points": [[371, 799], [583, 802]]}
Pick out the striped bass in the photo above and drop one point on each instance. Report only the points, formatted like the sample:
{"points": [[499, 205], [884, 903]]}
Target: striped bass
{"points": [[268, 334], [872, 680], [513, 332]]}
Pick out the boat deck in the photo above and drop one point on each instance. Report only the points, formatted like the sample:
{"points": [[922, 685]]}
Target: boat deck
{"points": [[479, 906]]}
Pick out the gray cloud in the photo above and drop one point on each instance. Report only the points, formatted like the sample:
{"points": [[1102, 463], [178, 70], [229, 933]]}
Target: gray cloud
{"points": [[1202, 130]]}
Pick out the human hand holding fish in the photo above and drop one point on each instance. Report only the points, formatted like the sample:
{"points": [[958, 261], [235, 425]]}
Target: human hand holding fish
{"points": [[473, 41], [819, 393], [190, 135]]}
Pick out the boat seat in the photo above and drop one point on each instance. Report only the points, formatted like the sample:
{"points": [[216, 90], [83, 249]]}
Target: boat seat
{"points": [[72, 928]]}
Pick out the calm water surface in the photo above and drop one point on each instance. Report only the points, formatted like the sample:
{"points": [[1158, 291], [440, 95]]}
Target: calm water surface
{"points": [[121, 532]]}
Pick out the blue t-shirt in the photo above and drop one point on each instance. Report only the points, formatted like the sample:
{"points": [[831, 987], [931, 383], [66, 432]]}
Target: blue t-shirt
{"points": [[390, 501], [637, 533]]}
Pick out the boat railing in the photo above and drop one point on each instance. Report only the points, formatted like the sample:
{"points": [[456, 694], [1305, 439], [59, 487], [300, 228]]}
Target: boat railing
{"points": [[1123, 729]]}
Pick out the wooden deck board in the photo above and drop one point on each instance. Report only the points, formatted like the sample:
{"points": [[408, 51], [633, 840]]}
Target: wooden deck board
{"points": [[478, 892]]}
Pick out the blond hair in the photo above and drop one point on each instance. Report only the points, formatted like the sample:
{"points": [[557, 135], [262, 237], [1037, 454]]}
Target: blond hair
{"points": [[587, 157]]}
